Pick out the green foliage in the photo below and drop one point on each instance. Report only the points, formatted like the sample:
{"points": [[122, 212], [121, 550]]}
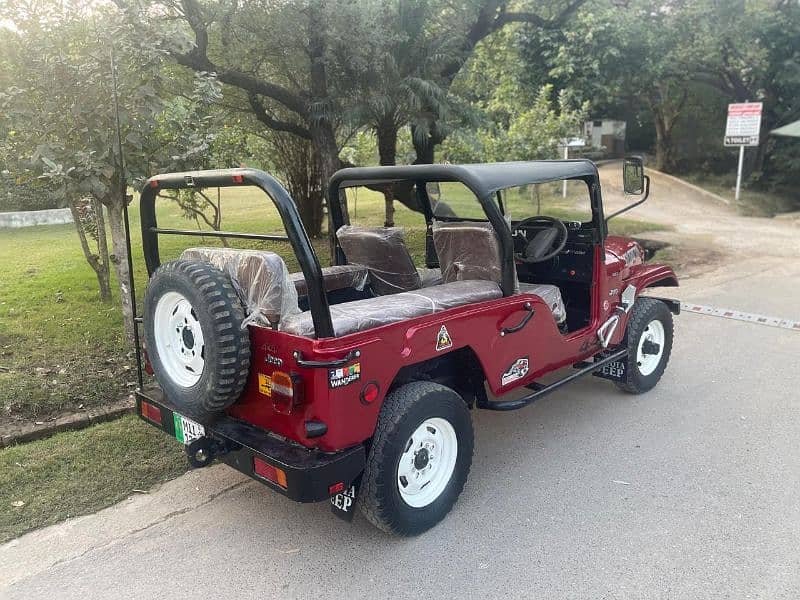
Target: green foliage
{"points": [[61, 103], [669, 69], [509, 119]]}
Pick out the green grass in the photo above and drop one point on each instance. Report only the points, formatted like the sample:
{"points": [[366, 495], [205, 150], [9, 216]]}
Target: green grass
{"points": [[80, 472], [751, 202], [62, 349]]}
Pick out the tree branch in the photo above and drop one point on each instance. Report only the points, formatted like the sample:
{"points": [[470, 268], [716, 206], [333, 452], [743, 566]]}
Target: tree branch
{"points": [[260, 112], [197, 59]]}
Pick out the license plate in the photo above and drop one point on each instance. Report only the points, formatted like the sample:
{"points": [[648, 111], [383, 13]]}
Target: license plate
{"points": [[186, 430], [615, 371]]}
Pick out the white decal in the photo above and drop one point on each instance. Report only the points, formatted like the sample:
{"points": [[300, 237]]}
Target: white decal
{"points": [[516, 371], [344, 500]]}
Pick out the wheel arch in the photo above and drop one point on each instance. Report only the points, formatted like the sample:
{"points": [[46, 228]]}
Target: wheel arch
{"points": [[460, 370]]}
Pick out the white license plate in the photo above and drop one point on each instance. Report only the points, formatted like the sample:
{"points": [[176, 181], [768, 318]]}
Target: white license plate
{"points": [[186, 430]]}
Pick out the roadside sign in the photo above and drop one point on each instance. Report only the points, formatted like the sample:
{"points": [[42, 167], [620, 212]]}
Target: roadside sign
{"points": [[744, 123]]}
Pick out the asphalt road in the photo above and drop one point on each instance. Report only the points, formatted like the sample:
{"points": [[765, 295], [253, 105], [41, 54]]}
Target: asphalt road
{"points": [[689, 491]]}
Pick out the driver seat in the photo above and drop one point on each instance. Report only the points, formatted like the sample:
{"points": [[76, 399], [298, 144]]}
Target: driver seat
{"points": [[470, 250]]}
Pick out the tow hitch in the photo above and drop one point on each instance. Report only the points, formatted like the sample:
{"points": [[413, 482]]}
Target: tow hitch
{"points": [[202, 451]]}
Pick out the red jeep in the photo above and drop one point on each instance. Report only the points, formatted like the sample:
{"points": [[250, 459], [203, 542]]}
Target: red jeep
{"points": [[357, 380]]}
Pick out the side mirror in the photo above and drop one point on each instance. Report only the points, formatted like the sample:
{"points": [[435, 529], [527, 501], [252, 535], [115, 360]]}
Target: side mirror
{"points": [[633, 175], [634, 182]]}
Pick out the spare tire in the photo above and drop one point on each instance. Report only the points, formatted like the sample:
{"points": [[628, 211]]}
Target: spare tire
{"points": [[197, 347]]}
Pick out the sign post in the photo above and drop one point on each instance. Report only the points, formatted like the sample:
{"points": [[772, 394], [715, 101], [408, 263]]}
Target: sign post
{"points": [[742, 129]]}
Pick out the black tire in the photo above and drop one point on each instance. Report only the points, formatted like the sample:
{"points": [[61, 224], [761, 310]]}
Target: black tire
{"points": [[226, 352], [403, 411], [644, 312]]}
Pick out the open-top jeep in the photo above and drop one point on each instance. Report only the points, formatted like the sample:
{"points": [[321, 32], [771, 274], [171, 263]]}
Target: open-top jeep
{"points": [[357, 380]]}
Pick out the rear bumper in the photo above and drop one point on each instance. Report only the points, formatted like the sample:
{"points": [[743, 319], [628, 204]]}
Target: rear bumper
{"points": [[309, 473]]}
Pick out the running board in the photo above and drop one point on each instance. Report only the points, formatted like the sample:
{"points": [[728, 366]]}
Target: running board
{"points": [[542, 390]]}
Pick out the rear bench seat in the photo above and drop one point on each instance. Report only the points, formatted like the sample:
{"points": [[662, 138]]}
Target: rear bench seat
{"points": [[350, 317], [337, 277]]}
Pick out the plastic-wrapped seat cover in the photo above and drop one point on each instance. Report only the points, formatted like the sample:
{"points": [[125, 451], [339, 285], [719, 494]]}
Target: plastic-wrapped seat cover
{"points": [[467, 250], [470, 250], [550, 294], [359, 315], [382, 250], [260, 278], [336, 277]]}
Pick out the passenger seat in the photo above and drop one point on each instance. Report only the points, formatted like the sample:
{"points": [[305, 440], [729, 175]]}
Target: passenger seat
{"points": [[470, 250], [382, 250]]}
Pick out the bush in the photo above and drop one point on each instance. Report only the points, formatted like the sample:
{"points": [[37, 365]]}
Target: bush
{"points": [[25, 193]]}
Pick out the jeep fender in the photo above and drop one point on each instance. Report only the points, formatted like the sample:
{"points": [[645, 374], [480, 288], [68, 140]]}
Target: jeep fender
{"points": [[647, 276]]}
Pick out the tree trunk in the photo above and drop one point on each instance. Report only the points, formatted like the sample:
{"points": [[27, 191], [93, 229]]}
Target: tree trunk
{"points": [[323, 134], [663, 151], [386, 132], [425, 144], [98, 262], [663, 138], [119, 258]]}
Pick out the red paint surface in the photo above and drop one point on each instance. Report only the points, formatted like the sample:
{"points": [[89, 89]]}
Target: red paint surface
{"points": [[385, 350]]}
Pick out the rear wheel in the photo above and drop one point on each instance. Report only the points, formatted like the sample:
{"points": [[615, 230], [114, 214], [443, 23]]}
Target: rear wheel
{"points": [[649, 342], [420, 458], [195, 342]]}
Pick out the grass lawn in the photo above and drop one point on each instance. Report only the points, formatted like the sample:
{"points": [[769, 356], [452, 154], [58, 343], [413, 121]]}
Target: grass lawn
{"points": [[751, 202], [61, 348], [79, 472]]}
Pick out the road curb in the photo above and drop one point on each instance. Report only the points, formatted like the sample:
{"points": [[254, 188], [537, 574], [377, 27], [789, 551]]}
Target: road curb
{"points": [[28, 432], [691, 186]]}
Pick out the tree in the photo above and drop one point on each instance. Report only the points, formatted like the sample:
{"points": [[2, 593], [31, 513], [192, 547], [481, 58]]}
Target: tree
{"points": [[284, 78], [511, 119], [397, 86], [295, 83], [473, 23], [642, 53], [62, 106]]}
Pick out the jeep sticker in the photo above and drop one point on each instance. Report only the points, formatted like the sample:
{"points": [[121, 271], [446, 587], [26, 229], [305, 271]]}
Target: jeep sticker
{"points": [[344, 376], [516, 371], [443, 339]]}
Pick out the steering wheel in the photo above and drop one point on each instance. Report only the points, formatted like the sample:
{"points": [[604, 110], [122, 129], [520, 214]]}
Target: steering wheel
{"points": [[548, 241]]}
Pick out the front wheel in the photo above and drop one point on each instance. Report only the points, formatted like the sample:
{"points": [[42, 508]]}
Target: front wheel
{"points": [[420, 458], [649, 341]]}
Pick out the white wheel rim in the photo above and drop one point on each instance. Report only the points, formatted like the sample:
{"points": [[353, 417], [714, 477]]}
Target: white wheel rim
{"points": [[179, 339], [653, 335], [427, 463]]}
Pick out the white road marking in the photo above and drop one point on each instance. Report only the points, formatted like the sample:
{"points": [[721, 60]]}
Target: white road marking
{"points": [[738, 315]]}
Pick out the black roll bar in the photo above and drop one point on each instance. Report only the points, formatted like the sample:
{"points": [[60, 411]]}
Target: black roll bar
{"points": [[296, 233]]}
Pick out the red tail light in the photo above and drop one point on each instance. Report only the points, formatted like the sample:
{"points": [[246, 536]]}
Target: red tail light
{"points": [[266, 471], [151, 412], [286, 391]]}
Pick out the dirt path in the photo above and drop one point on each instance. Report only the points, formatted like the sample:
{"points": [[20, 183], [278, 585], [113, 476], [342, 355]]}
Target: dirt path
{"points": [[709, 237]]}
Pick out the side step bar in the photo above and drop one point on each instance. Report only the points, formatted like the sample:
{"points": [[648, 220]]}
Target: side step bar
{"points": [[542, 390]]}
